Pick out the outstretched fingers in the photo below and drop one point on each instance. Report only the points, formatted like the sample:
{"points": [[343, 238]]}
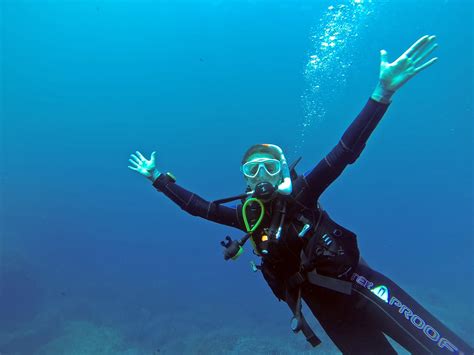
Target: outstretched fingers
{"points": [[426, 65], [134, 163], [416, 46], [137, 159], [425, 53], [140, 155], [422, 49]]}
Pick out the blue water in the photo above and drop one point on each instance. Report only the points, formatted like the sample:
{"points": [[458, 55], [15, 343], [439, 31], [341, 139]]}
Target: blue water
{"points": [[95, 260]]}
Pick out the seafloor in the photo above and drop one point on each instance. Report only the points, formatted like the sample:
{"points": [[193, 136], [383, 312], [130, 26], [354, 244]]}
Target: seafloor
{"points": [[73, 325]]}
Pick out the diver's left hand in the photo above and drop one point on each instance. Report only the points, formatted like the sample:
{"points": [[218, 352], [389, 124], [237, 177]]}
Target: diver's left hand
{"points": [[394, 75]]}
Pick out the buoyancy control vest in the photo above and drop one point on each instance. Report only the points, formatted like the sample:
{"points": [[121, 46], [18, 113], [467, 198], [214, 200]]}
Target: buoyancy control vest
{"points": [[327, 246]]}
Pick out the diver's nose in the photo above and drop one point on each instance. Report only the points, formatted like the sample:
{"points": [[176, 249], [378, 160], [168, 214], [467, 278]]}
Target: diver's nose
{"points": [[262, 173]]}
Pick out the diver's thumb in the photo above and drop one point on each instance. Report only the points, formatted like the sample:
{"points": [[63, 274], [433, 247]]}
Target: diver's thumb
{"points": [[383, 57]]}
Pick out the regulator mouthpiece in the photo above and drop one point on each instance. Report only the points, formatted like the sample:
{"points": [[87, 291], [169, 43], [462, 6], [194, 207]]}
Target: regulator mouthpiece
{"points": [[264, 190]]}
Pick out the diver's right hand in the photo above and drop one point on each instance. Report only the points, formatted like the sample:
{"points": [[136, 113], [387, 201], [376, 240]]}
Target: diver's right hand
{"points": [[143, 166]]}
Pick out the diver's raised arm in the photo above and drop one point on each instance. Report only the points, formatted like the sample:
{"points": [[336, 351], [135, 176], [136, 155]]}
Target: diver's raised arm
{"points": [[188, 201], [392, 76]]}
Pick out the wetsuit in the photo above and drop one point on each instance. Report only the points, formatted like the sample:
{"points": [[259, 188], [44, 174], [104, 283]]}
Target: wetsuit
{"points": [[356, 320]]}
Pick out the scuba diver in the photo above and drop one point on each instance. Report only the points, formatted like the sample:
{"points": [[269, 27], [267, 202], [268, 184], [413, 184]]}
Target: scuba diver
{"points": [[305, 255]]}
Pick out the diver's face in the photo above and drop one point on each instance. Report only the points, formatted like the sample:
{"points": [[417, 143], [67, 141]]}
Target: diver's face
{"points": [[262, 167]]}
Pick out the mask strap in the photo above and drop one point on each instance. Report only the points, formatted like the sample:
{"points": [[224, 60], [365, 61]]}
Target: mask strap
{"points": [[285, 188]]}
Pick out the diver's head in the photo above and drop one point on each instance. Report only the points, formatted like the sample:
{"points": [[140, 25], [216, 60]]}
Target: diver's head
{"points": [[266, 164]]}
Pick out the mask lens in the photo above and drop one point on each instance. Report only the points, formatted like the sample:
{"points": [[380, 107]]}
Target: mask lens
{"points": [[250, 169], [253, 168], [272, 166]]}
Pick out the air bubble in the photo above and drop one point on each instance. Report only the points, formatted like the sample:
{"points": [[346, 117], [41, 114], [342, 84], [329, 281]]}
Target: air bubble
{"points": [[332, 47]]}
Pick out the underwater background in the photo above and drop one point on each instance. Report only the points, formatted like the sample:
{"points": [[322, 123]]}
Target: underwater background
{"points": [[95, 261]]}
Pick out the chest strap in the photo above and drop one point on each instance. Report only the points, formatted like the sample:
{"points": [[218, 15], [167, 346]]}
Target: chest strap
{"points": [[314, 278], [320, 280]]}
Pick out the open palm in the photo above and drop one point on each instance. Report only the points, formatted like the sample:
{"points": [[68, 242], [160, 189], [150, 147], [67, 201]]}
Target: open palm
{"points": [[143, 165], [394, 75]]}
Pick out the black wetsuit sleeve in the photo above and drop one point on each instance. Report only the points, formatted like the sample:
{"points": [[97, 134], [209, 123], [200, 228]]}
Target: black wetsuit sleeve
{"points": [[347, 149], [196, 205]]}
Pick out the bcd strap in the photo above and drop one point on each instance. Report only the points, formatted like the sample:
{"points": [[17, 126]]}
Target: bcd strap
{"points": [[310, 336], [317, 279], [320, 280], [329, 282]]}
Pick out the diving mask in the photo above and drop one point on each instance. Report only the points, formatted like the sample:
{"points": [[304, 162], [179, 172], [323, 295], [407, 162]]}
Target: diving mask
{"points": [[252, 168]]}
